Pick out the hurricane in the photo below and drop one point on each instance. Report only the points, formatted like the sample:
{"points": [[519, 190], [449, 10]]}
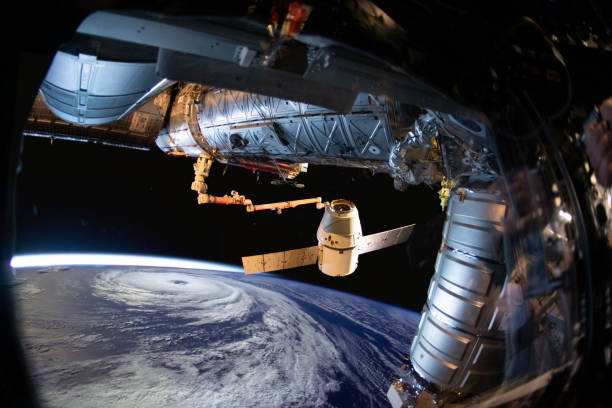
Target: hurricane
{"points": [[144, 336]]}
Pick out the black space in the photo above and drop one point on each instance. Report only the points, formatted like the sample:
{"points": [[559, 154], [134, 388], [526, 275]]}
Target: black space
{"points": [[78, 197]]}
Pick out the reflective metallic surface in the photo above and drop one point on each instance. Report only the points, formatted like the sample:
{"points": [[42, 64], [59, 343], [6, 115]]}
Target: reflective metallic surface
{"points": [[240, 124], [178, 136], [458, 346]]}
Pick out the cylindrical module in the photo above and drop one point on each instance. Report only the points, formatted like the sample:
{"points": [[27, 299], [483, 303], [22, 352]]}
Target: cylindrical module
{"points": [[459, 346], [339, 234], [244, 126]]}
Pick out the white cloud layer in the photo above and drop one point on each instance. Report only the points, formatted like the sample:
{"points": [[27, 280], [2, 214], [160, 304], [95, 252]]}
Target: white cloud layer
{"points": [[127, 337]]}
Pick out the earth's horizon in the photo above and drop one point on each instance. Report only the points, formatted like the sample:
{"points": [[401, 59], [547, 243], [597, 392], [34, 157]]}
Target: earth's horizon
{"points": [[146, 336]]}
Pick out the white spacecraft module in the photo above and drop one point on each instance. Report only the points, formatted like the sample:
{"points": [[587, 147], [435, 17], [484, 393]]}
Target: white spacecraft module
{"points": [[340, 243]]}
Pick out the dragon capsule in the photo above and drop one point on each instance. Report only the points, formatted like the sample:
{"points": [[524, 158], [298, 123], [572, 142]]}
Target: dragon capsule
{"points": [[340, 242]]}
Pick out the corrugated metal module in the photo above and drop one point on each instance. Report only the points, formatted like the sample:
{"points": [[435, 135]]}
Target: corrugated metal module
{"points": [[458, 345], [239, 124]]}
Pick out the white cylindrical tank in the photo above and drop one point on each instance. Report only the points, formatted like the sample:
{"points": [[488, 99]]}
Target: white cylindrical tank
{"points": [[339, 234]]}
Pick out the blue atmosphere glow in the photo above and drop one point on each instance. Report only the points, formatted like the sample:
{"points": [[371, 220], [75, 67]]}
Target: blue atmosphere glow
{"points": [[46, 260]]}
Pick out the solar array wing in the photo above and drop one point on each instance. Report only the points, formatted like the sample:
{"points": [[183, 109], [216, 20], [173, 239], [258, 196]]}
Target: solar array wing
{"points": [[277, 261], [384, 239]]}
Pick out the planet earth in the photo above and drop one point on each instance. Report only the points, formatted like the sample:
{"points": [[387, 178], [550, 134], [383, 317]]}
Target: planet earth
{"points": [[127, 336]]}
